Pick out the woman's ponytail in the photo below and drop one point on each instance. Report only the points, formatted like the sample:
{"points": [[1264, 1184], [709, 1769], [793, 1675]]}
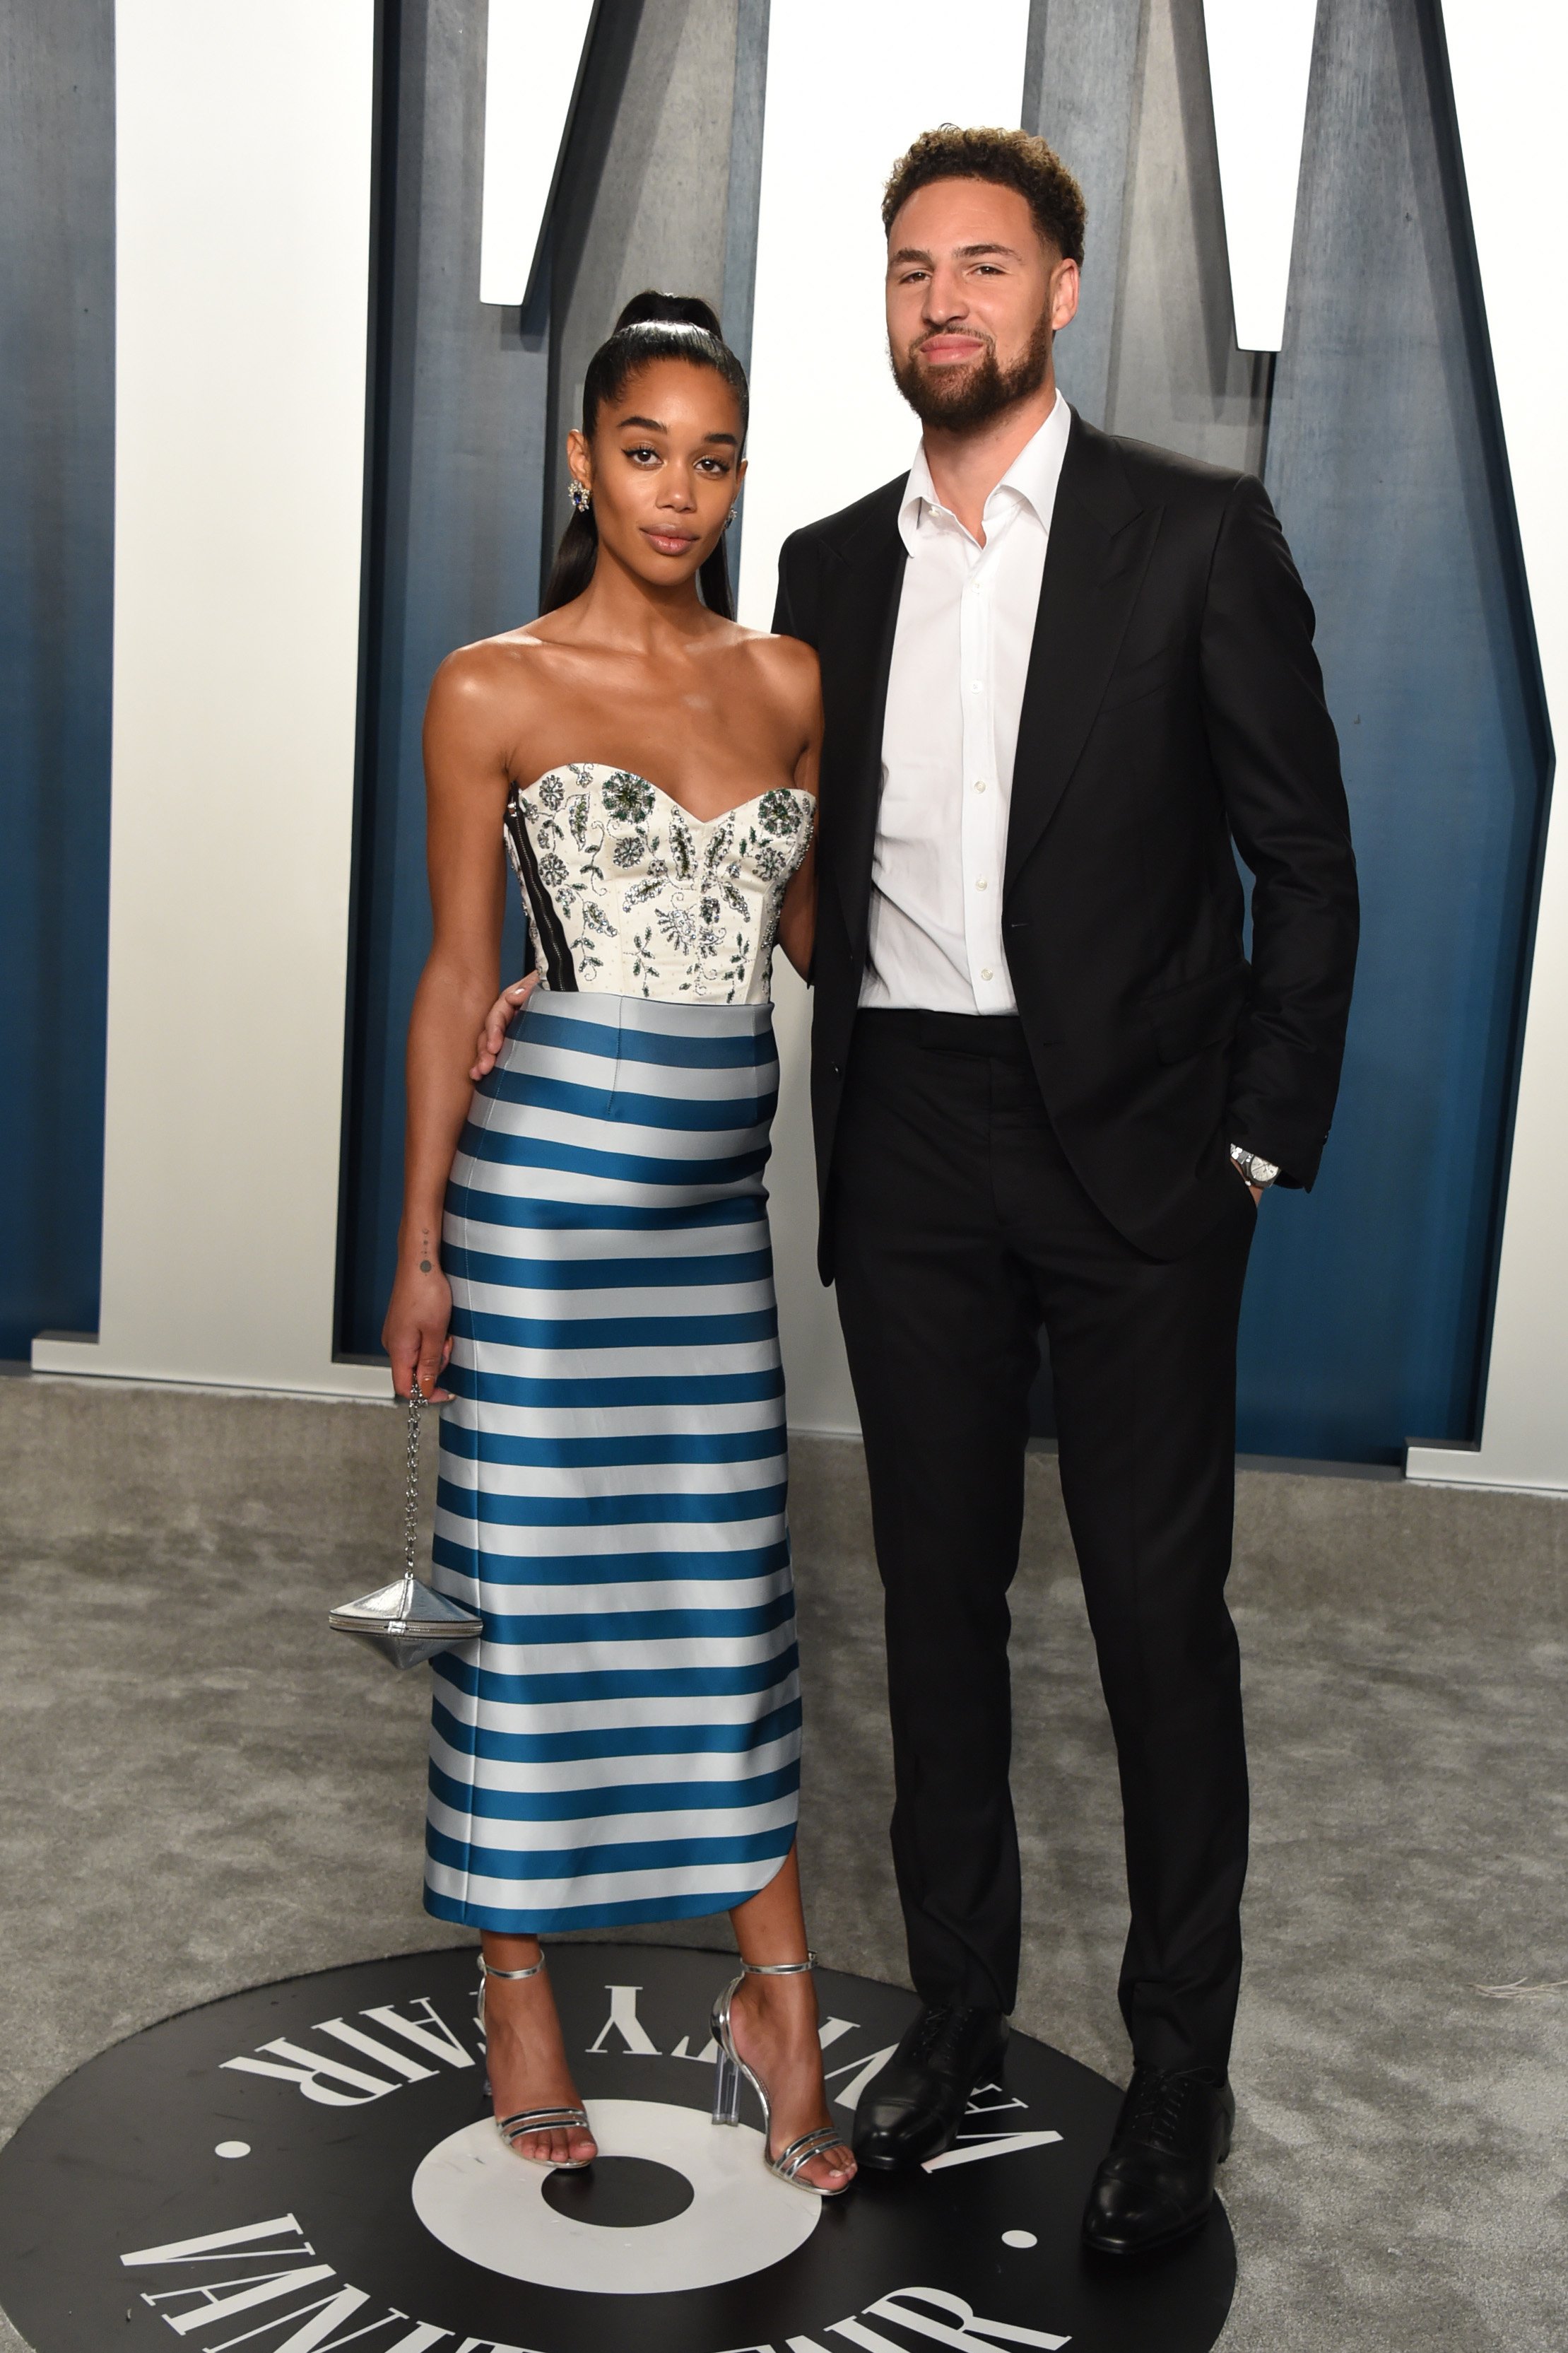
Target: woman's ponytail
{"points": [[574, 560], [714, 581]]}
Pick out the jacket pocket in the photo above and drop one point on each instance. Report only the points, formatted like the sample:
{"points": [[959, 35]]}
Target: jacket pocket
{"points": [[1196, 1014]]}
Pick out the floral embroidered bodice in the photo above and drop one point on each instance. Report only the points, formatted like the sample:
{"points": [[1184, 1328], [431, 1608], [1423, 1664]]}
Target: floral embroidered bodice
{"points": [[627, 892]]}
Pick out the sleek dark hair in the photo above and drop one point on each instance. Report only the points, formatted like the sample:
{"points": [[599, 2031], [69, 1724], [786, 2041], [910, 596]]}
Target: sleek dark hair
{"points": [[1011, 159], [653, 326]]}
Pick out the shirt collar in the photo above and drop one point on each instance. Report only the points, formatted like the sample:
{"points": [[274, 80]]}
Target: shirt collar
{"points": [[1031, 478]]}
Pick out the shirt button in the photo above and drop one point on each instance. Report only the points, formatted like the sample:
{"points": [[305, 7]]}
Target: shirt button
{"points": [[986, 972], [979, 784], [980, 884]]}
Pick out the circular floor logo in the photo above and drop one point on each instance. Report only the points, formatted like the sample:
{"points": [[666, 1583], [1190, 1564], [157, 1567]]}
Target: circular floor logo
{"points": [[310, 2166]]}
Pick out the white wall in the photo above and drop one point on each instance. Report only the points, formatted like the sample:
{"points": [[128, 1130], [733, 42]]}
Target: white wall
{"points": [[848, 87], [243, 237], [1509, 64]]}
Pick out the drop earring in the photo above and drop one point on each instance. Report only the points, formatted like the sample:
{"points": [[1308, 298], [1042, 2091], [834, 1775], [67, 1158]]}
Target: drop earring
{"points": [[579, 496]]}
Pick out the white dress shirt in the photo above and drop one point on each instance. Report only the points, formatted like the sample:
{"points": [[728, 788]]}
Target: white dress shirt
{"points": [[960, 653]]}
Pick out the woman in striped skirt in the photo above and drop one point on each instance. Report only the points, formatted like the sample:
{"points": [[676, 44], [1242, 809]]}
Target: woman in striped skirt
{"points": [[583, 1273]]}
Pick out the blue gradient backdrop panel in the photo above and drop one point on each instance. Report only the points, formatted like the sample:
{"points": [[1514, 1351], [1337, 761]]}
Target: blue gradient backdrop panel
{"points": [[57, 550], [453, 554], [1368, 1304]]}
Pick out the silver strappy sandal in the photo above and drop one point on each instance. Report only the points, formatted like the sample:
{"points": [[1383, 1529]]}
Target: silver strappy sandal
{"points": [[730, 2068], [533, 2120]]}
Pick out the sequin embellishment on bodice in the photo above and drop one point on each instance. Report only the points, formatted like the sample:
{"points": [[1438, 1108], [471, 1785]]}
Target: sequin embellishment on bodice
{"points": [[626, 892]]}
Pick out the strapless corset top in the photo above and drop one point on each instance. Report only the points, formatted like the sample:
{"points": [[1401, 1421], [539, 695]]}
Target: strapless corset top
{"points": [[626, 892]]}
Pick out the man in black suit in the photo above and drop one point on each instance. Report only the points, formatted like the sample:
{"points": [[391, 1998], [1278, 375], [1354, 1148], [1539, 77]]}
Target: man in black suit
{"points": [[1063, 675]]}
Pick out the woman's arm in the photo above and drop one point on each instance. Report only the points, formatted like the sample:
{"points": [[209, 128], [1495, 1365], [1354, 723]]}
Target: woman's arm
{"points": [[466, 773]]}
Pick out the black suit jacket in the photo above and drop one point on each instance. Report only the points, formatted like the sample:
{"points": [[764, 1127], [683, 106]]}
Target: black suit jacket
{"points": [[1173, 706]]}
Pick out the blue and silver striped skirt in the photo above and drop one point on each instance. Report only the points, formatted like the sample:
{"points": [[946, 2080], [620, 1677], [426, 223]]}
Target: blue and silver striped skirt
{"points": [[624, 1742]]}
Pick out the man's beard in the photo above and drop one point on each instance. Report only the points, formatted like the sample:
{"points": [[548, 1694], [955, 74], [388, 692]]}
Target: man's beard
{"points": [[960, 399]]}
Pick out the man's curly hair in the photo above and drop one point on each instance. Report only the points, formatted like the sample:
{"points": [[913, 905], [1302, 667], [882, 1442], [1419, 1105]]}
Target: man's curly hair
{"points": [[1012, 159]]}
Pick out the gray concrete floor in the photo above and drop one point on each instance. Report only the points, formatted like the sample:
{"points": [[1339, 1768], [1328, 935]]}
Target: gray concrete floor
{"points": [[199, 1790]]}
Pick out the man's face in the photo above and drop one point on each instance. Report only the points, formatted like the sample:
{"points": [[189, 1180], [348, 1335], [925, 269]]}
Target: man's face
{"points": [[974, 296]]}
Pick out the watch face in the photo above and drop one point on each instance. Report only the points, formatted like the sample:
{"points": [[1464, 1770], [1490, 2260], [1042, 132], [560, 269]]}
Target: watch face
{"points": [[1264, 1171]]}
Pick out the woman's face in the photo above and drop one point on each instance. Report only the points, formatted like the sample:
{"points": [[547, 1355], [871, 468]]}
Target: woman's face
{"points": [[664, 469]]}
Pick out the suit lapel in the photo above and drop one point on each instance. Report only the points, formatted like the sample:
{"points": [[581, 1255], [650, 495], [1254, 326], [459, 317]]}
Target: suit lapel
{"points": [[1099, 546], [857, 652]]}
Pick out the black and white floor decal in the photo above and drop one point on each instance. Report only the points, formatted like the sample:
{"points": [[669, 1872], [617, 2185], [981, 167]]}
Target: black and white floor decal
{"points": [[310, 2166]]}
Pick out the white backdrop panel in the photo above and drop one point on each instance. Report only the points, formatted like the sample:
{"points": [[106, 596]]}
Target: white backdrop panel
{"points": [[849, 89], [243, 245], [534, 57], [1260, 62]]}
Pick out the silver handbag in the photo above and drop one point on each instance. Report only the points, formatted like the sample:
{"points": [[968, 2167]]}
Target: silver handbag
{"points": [[406, 1621]]}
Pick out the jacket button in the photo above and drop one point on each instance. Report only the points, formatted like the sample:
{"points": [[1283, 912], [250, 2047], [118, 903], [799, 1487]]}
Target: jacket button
{"points": [[839, 1070]]}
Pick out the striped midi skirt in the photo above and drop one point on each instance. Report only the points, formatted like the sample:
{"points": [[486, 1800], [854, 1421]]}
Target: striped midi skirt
{"points": [[622, 1743]]}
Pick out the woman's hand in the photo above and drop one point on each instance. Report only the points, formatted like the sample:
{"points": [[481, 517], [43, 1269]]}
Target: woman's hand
{"points": [[416, 1335], [493, 1035], [797, 916]]}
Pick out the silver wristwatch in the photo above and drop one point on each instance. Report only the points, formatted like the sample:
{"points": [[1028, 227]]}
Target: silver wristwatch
{"points": [[1253, 1166]]}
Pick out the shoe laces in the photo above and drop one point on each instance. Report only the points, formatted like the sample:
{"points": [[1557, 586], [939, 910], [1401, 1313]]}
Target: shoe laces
{"points": [[936, 2035], [1160, 2103]]}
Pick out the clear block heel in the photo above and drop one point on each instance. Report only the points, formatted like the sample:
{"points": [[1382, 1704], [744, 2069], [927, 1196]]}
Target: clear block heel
{"points": [[726, 2090], [730, 2070]]}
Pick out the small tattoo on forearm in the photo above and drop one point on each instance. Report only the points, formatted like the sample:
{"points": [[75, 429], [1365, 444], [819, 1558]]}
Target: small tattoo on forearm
{"points": [[425, 1246], [423, 1266]]}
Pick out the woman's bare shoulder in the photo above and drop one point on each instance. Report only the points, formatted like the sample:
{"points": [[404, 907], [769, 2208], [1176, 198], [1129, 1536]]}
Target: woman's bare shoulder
{"points": [[515, 657], [493, 674], [791, 655], [786, 669]]}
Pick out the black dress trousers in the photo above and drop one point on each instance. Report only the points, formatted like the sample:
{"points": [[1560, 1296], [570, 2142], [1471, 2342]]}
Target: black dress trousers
{"points": [[959, 1231]]}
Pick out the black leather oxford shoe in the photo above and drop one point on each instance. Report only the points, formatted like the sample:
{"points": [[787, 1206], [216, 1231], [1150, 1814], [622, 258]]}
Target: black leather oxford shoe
{"points": [[1155, 2185], [913, 2109]]}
